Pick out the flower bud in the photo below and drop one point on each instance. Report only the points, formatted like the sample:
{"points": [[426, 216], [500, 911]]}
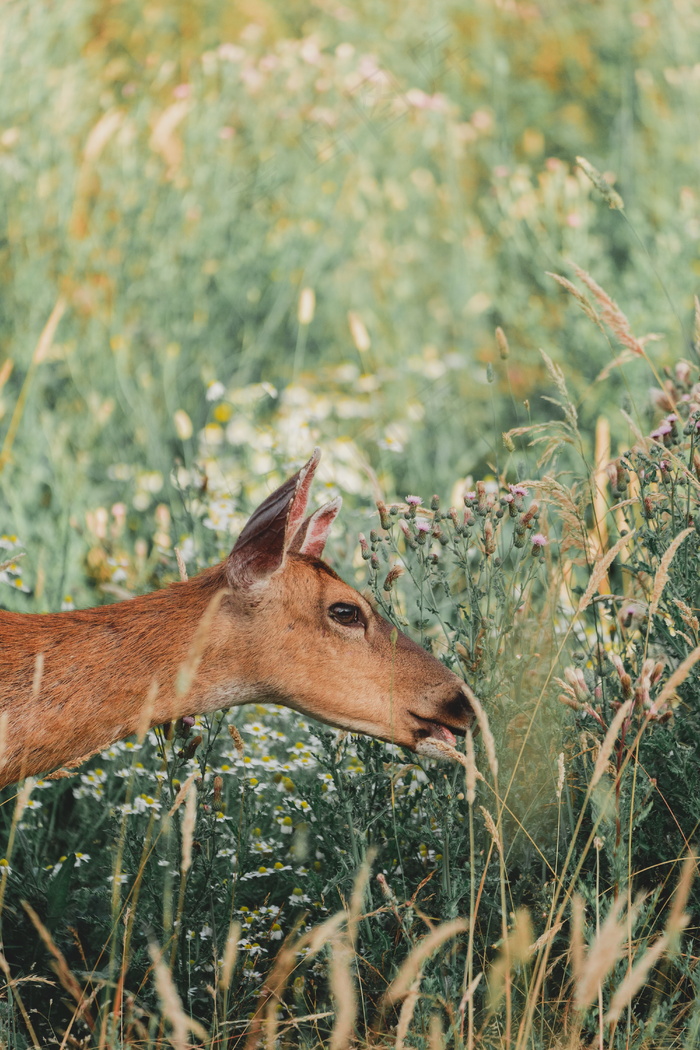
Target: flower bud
{"points": [[383, 516]]}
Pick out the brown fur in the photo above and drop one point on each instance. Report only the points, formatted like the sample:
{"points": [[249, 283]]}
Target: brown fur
{"points": [[270, 638]]}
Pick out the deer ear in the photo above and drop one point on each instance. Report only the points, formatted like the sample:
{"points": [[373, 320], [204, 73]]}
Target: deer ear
{"points": [[268, 533], [313, 533]]}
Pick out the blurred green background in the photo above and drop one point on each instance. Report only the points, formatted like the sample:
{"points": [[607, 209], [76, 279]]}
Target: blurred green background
{"points": [[271, 226]]}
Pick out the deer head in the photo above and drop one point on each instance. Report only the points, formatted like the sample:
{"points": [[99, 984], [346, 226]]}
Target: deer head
{"points": [[306, 639]]}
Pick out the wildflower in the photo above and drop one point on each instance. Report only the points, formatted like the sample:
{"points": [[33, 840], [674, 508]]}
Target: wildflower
{"points": [[256, 728], [414, 501], [144, 802], [539, 542], [275, 932], [299, 897], [5, 868]]}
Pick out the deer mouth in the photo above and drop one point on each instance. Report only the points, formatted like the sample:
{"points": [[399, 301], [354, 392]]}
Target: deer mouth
{"points": [[437, 731]]}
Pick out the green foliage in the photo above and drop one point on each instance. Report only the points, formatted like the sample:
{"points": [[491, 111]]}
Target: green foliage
{"points": [[261, 229]]}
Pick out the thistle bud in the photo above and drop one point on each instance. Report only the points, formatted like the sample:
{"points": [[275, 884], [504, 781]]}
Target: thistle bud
{"points": [[422, 530], [408, 536], [218, 788], [189, 750], [489, 538], [392, 576], [532, 512], [364, 548], [384, 519]]}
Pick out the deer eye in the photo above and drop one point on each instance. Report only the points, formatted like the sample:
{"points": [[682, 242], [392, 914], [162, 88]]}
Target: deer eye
{"points": [[345, 613]]}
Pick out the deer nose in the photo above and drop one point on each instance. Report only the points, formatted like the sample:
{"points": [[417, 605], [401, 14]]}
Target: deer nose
{"points": [[458, 711]]}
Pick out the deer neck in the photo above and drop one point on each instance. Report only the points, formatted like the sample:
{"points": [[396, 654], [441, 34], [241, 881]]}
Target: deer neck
{"points": [[72, 683]]}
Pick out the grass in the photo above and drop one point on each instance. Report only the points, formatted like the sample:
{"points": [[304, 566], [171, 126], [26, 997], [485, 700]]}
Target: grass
{"points": [[229, 235]]}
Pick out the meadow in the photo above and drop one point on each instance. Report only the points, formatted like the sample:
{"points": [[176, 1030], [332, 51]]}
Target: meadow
{"points": [[456, 247]]}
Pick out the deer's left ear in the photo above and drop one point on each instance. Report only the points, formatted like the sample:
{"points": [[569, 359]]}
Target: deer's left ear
{"points": [[312, 534], [270, 530]]}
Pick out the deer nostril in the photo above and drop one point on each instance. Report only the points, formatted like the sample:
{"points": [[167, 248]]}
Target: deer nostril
{"points": [[458, 709]]}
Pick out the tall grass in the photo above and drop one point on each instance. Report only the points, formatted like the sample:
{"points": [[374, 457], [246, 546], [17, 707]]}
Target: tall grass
{"points": [[229, 235], [535, 892]]}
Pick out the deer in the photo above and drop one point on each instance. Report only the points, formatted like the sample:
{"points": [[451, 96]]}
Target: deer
{"points": [[271, 623]]}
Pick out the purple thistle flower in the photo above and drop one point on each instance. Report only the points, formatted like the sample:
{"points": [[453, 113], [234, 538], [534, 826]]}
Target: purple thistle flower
{"points": [[414, 501], [538, 540]]}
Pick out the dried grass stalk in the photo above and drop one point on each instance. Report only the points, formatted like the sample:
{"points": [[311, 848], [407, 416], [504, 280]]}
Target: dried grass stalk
{"points": [[491, 828], [412, 966], [188, 826], [601, 762], [23, 798], [189, 668], [182, 793], [577, 955], [343, 992], [11, 561], [545, 938], [61, 968], [515, 950], [275, 983], [170, 1002], [609, 195], [4, 721], [181, 567], [580, 298], [469, 993], [432, 748], [612, 315], [559, 380], [600, 570], [678, 676], [606, 949], [661, 577], [358, 894], [472, 773], [146, 712], [687, 615], [12, 983], [406, 1015], [436, 1036], [487, 735], [230, 954], [678, 919], [38, 675], [561, 778], [636, 978]]}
